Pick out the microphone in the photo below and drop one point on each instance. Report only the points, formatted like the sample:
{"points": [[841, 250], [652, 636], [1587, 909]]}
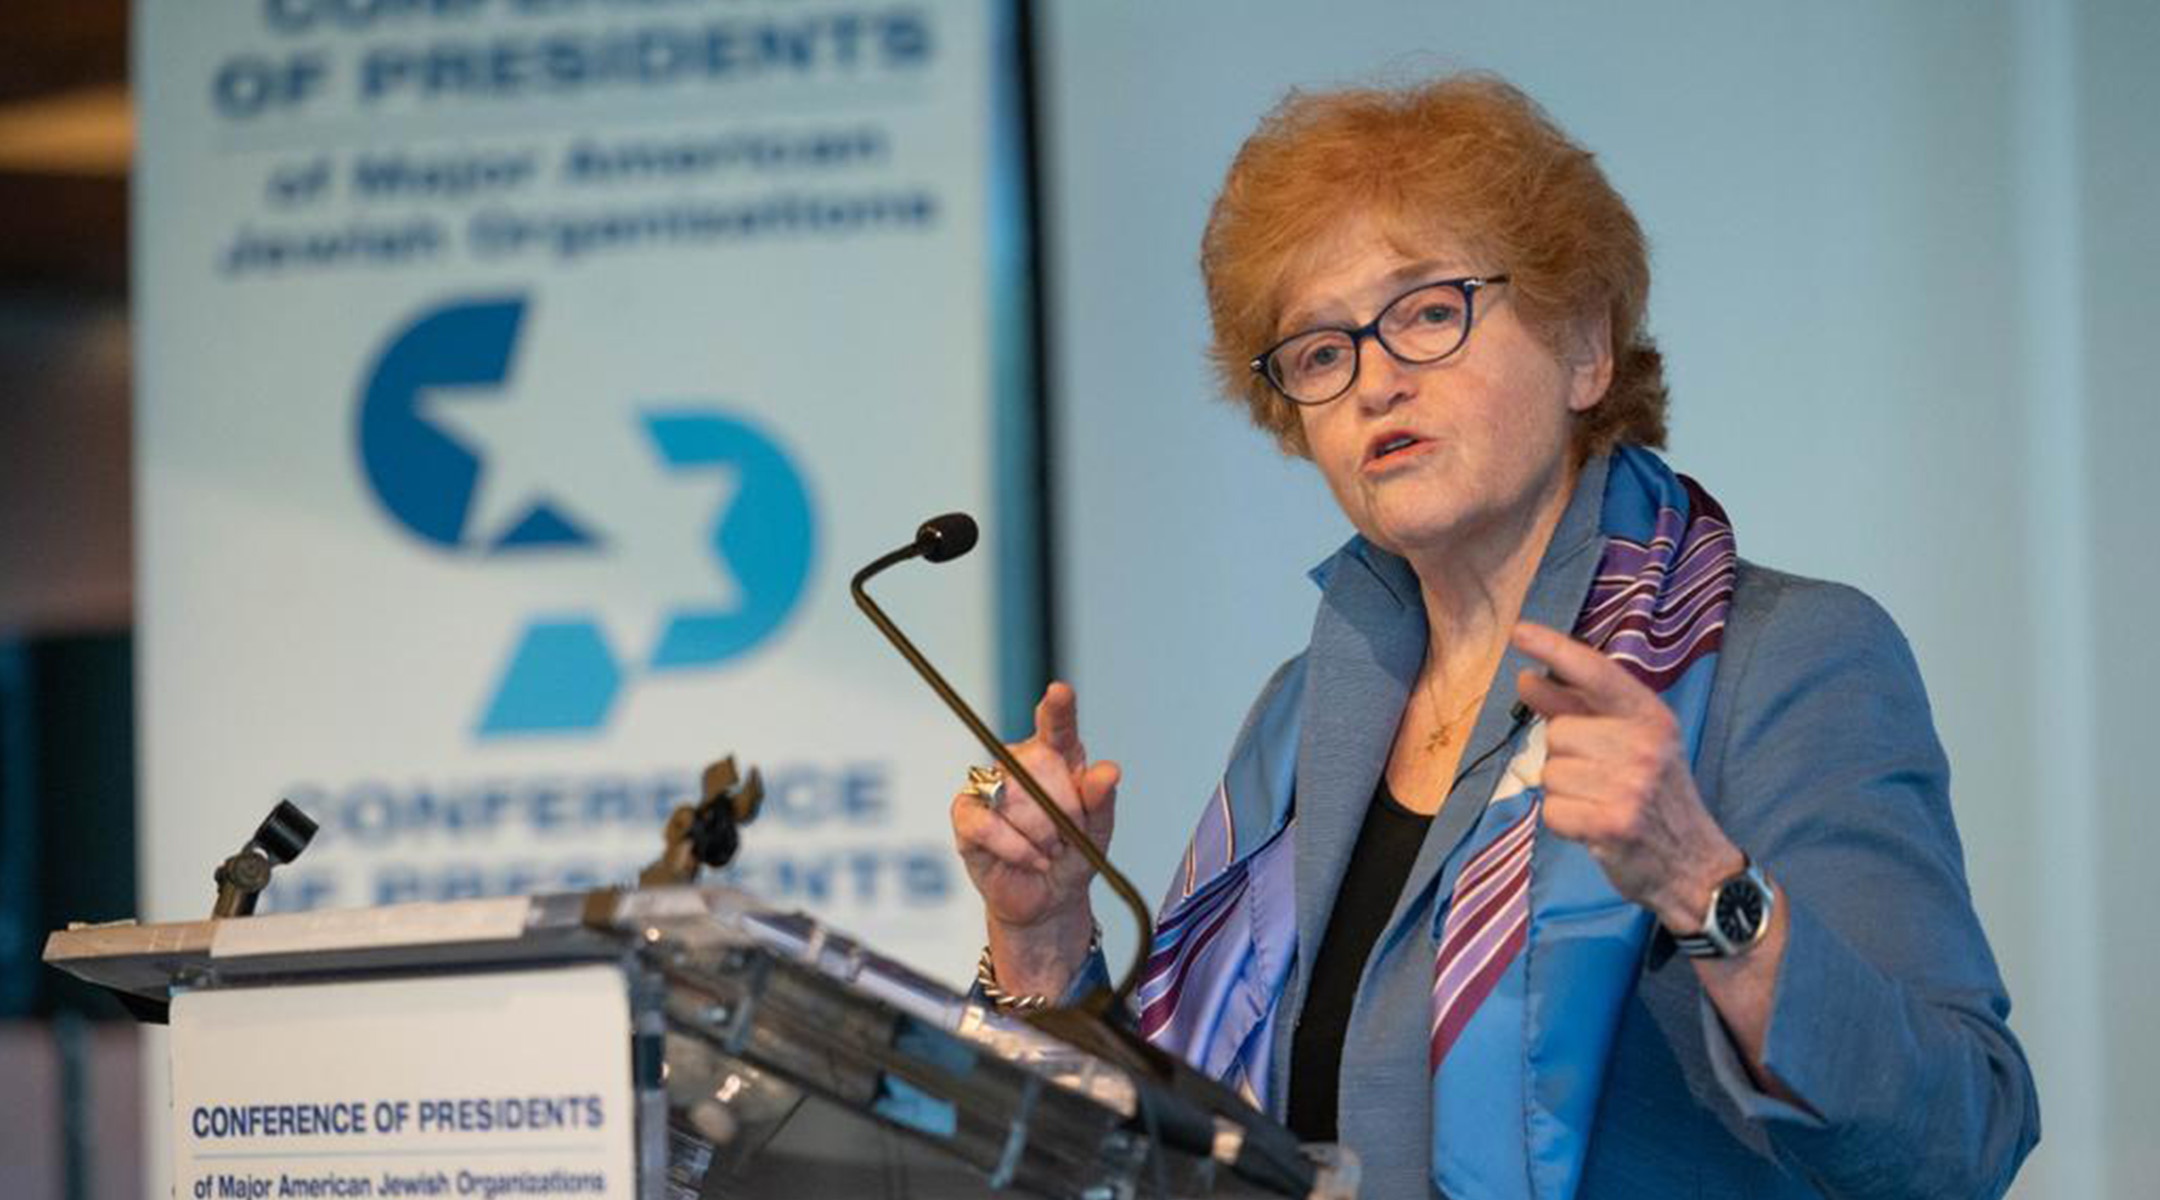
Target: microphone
{"points": [[942, 539], [945, 538], [1188, 1109]]}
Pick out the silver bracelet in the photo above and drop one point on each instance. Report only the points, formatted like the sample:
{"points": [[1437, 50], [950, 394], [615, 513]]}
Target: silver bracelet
{"points": [[1004, 1001]]}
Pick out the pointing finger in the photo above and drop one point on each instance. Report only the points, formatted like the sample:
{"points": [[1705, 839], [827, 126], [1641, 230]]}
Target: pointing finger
{"points": [[1549, 699], [1603, 686], [1057, 724]]}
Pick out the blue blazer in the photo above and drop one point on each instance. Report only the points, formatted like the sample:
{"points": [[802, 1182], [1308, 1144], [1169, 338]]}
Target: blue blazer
{"points": [[1819, 758]]}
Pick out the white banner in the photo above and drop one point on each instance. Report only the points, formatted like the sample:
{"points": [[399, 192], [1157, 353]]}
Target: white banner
{"points": [[520, 382], [423, 1087]]}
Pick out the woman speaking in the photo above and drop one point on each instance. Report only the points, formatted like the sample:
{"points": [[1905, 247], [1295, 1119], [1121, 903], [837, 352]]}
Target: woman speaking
{"points": [[1575, 854]]}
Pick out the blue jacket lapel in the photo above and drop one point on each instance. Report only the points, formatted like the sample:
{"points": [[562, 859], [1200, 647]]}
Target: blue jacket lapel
{"points": [[1368, 642]]}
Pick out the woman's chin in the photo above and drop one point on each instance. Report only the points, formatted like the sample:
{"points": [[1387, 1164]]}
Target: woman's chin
{"points": [[1415, 535]]}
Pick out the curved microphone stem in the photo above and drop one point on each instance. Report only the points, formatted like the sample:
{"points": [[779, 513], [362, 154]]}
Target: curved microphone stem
{"points": [[1070, 830]]}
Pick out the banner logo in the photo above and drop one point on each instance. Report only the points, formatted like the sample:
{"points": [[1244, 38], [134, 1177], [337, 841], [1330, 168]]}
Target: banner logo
{"points": [[562, 674], [422, 475]]}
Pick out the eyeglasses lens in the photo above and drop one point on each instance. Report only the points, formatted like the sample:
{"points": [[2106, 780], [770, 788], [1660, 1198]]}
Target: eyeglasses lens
{"points": [[1419, 327], [1426, 324], [1314, 367]]}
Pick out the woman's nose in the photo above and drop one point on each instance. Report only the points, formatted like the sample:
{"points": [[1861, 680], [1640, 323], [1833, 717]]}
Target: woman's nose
{"points": [[1383, 381]]}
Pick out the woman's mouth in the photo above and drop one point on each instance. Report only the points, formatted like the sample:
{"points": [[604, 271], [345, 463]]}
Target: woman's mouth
{"points": [[1390, 450]]}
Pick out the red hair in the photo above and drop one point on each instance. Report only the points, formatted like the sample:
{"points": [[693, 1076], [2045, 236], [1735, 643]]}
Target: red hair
{"points": [[1465, 157]]}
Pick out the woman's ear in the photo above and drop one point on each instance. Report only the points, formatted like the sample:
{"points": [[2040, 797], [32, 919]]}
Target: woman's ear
{"points": [[1586, 351]]}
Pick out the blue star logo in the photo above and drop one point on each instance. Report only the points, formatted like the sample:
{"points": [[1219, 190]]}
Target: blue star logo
{"points": [[425, 476], [448, 466]]}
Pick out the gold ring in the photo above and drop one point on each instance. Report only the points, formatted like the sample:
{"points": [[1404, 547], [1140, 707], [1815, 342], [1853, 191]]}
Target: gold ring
{"points": [[986, 784]]}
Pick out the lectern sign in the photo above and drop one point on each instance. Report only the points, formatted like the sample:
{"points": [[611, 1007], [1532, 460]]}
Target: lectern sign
{"points": [[427, 1087]]}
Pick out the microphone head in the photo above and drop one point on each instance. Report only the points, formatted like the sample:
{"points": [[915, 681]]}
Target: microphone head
{"points": [[944, 538]]}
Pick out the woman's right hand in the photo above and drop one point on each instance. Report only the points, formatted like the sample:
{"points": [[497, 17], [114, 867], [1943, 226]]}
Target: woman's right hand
{"points": [[1034, 887]]}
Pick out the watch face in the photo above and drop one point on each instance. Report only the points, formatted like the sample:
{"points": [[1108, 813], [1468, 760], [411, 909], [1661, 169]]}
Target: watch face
{"points": [[1740, 911]]}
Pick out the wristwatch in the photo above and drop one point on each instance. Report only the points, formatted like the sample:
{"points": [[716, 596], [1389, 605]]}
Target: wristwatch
{"points": [[1738, 918]]}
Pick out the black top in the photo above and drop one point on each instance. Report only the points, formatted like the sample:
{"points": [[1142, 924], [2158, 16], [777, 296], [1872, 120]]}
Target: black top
{"points": [[1387, 847]]}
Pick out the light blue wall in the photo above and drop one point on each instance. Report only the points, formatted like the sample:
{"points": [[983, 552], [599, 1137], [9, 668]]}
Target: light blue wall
{"points": [[1878, 231], [2117, 103]]}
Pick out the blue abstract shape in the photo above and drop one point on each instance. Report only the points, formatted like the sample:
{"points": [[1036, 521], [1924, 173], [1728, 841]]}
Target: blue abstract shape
{"points": [[421, 475], [562, 678], [545, 525], [766, 537]]}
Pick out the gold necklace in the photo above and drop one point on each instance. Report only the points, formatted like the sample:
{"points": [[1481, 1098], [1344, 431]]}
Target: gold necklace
{"points": [[1439, 739]]}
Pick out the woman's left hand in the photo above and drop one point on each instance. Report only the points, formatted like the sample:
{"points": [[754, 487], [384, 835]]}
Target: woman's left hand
{"points": [[1617, 779]]}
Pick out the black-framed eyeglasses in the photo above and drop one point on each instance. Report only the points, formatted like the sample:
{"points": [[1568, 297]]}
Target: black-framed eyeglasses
{"points": [[1423, 325]]}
